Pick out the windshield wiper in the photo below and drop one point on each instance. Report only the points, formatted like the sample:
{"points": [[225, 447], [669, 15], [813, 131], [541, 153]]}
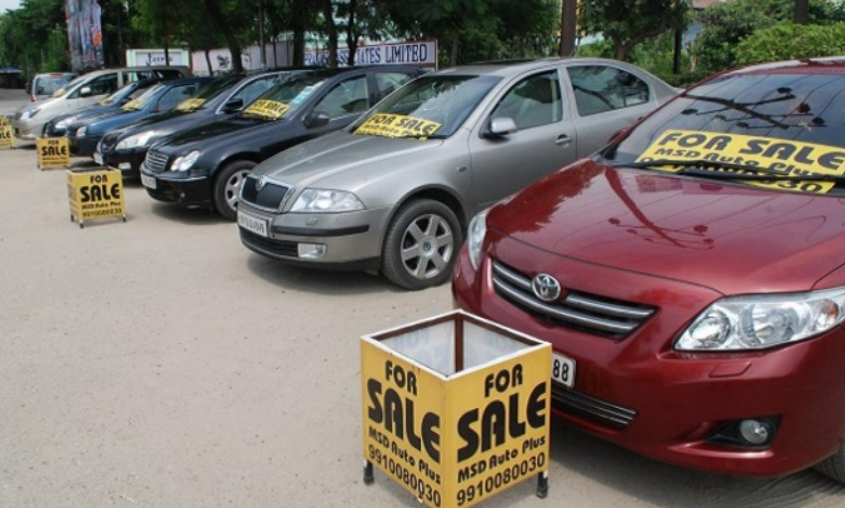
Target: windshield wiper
{"points": [[699, 167]]}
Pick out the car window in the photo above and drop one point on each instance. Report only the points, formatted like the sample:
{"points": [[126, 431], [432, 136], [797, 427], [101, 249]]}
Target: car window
{"points": [[347, 97], [103, 84], [599, 89], [388, 82], [251, 91], [532, 102], [285, 97], [174, 96]]}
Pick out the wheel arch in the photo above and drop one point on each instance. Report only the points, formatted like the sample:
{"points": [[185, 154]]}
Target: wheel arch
{"points": [[438, 193]]}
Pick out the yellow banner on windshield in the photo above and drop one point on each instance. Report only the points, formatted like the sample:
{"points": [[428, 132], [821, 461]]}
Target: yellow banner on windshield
{"points": [[268, 109], [397, 126], [786, 157], [132, 105], [190, 104]]}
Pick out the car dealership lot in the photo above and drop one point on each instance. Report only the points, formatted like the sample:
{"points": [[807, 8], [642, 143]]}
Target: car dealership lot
{"points": [[159, 363]]}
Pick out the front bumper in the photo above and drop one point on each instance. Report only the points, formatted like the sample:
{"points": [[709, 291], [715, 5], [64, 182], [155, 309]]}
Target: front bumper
{"points": [[186, 189], [83, 146], [352, 240], [675, 402], [27, 130], [127, 161]]}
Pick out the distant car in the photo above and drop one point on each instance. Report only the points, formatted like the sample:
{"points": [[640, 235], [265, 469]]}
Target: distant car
{"points": [[395, 191], [84, 134], [690, 277], [43, 86], [86, 90], [58, 125], [205, 166], [126, 148]]}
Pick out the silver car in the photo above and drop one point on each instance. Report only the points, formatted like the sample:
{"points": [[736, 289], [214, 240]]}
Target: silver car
{"points": [[395, 190]]}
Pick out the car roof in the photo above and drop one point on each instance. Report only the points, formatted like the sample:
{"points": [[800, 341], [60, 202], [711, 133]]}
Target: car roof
{"points": [[186, 81], [827, 65], [507, 68], [323, 71]]}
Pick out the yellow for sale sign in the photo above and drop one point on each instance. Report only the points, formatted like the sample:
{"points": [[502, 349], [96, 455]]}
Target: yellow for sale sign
{"points": [[456, 408], [7, 138], [52, 152], [95, 194]]}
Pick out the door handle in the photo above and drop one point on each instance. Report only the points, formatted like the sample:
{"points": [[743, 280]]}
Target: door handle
{"points": [[563, 140]]}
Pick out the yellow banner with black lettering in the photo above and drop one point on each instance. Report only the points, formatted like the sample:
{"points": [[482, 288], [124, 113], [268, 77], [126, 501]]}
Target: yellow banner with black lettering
{"points": [[397, 126], [3, 121], [190, 104], [783, 156], [132, 105], [7, 138], [52, 152], [268, 109]]}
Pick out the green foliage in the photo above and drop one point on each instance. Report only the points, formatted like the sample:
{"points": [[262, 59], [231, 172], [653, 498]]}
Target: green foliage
{"points": [[789, 41]]}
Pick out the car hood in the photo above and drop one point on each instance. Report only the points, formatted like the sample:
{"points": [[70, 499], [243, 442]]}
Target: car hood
{"points": [[114, 120], [732, 238], [337, 153], [209, 134]]}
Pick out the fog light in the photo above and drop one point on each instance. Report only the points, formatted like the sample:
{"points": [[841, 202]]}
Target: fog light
{"points": [[311, 250], [755, 432], [124, 165]]}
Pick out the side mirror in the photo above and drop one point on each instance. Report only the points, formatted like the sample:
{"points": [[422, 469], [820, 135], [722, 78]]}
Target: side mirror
{"points": [[316, 119], [232, 105], [85, 91], [501, 127]]}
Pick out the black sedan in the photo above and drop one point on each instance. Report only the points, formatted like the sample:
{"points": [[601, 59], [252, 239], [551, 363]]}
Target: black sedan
{"points": [[58, 125], [206, 165], [126, 148], [84, 135]]}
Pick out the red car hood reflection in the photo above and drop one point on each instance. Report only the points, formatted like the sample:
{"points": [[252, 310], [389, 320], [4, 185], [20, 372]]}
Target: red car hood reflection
{"points": [[732, 238]]}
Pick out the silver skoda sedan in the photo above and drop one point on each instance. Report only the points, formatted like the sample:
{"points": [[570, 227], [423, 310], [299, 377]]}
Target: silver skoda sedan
{"points": [[394, 191]]}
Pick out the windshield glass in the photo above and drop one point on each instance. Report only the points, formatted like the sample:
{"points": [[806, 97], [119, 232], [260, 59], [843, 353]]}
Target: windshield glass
{"points": [[284, 98], [208, 92], [789, 123], [141, 101], [48, 85], [428, 107]]}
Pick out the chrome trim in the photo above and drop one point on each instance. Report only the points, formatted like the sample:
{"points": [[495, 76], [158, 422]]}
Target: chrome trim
{"points": [[513, 277], [607, 308], [591, 408], [282, 204]]}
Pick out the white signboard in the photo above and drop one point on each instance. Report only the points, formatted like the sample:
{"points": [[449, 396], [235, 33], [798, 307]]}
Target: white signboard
{"points": [[406, 53], [149, 57]]}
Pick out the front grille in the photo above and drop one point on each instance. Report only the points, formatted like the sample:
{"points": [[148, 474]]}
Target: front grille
{"points": [[582, 311], [156, 161], [271, 196], [268, 245], [591, 409]]}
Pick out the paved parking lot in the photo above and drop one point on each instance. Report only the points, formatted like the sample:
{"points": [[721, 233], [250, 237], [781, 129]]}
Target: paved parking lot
{"points": [[159, 363]]}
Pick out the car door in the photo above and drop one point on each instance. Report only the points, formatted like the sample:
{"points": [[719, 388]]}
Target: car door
{"points": [[96, 90], [606, 100], [544, 140]]}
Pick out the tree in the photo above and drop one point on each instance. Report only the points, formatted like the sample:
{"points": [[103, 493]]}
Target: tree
{"points": [[627, 23]]}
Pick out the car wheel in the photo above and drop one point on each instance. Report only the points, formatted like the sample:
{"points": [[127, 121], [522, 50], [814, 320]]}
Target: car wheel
{"points": [[227, 184], [834, 466], [421, 245]]}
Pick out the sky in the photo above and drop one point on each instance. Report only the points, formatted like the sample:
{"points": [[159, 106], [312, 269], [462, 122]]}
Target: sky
{"points": [[9, 4]]}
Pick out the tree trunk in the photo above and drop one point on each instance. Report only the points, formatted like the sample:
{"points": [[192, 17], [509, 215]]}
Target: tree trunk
{"points": [[568, 15], [331, 32], [801, 15], [620, 51], [208, 61], [216, 15], [298, 47], [351, 37], [456, 46]]}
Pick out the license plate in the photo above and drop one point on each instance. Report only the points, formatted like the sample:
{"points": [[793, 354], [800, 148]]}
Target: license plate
{"points": [[254, 224], [148, 181], [98, 158], [563, 370]]}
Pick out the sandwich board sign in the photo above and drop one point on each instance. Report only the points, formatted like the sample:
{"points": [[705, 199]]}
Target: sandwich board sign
{"points": [[52, 152], [95, 194]]}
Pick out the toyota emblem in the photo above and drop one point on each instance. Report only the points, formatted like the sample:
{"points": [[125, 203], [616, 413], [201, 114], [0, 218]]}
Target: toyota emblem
{"points": [[261, 183], [546, 287]]}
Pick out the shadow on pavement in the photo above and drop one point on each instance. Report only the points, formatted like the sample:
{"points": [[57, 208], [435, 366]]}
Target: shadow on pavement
{"points": [[192, 216]]}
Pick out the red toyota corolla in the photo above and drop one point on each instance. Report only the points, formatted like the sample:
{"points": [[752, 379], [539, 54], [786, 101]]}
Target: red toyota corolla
{"points": [[691, 276]]}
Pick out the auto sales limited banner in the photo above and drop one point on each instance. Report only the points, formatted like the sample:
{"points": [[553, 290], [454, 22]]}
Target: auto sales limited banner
{"points": [[85, 35]]}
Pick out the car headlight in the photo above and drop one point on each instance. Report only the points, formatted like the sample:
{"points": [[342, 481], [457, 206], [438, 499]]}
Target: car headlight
{"points": [[321, 200], [763, 321], [80, 132], [142, 139], [475, 237], [186, 162], [62, 124], [29, 113]]}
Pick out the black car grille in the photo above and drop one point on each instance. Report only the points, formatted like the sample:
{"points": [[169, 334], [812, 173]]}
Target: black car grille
{"points": [[582, 311], [591, 409], [268, 245], [156, 161], [271, 196]]}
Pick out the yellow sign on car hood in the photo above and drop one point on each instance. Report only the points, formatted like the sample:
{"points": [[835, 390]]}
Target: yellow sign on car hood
{"points": [[132, 105], [786, 157], [190, 104], [268, 109], [397, 126]]}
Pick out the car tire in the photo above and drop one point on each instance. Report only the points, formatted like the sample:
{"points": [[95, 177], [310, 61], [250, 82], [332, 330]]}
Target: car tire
{"points": [[227, 183], [421, 245], [834, 466]]}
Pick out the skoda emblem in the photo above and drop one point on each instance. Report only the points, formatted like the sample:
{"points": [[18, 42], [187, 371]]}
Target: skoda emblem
{"points": [[261, 183], [546, 287]]}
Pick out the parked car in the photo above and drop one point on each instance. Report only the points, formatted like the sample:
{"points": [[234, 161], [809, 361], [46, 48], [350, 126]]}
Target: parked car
{"points": [[58, 125], [205, 166], [126, 148], [86, 90], [394, 192], [84, 134], [691, 276], [44, 85]]}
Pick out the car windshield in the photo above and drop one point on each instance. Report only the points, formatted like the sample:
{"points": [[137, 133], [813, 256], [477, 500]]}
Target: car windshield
{"points": [[778, 126], [141, 101], [208, 92], [428, 107], [47, 85], [284, 98]]}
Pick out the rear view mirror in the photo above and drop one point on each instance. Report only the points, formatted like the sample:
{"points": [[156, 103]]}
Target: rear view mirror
{"points": [[500, 127], [316, 119], [233, 105], [85, 91]]}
